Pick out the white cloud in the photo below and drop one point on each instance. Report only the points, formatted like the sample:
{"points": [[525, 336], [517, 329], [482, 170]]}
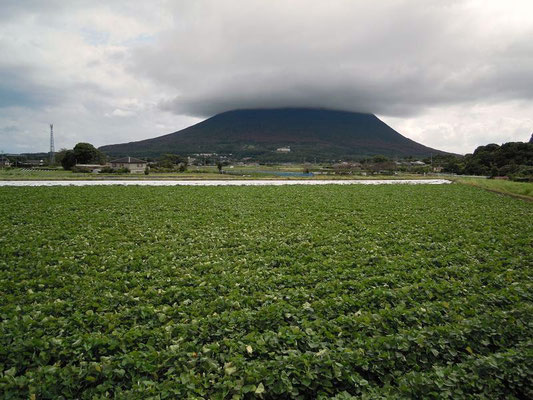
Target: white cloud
{"points": [[121, 113], [462, 128]]}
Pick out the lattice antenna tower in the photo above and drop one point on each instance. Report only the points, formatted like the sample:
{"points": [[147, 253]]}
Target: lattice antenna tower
{"points": [[52, 150]]}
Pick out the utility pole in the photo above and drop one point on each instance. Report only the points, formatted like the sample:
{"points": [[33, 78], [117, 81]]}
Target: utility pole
{"points": [[52, 150]]}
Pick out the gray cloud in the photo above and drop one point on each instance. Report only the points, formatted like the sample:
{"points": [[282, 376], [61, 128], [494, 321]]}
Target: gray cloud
{"points": [[393, 57], [17, 88], [451, 75]]}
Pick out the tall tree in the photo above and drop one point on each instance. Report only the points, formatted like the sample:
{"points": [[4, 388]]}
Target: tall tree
{"points": [[83, 153], [68, 160], [86, 153]]}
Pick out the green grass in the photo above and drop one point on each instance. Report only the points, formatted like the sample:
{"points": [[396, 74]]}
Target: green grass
{"points": [[522, 189], [59, 174], [265, 292], [193, 173], [26, 174]]}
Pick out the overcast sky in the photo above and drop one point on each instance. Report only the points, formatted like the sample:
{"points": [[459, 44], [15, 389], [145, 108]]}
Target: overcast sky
{"points": [[450, 74]]}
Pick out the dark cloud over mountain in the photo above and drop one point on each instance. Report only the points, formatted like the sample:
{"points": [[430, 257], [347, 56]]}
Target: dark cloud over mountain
{"points": [[450, 74], [392, 58]]}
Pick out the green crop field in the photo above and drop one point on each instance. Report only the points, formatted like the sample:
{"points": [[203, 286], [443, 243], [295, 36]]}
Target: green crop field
{"points": [[265, 292]]}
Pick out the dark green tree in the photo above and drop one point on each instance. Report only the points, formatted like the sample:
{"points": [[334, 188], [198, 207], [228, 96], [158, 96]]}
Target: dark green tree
{"points": [[508, 158], [68, 159], [378, 158], [59, 155], [453, 165], [83, 153], [172, 161], [86, 153]]}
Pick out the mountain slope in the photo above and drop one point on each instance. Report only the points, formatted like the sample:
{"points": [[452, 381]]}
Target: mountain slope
{"points": [[310, 133]]}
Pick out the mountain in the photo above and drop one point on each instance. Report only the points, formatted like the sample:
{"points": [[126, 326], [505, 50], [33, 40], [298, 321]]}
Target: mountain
{"points": [[310, 133]]}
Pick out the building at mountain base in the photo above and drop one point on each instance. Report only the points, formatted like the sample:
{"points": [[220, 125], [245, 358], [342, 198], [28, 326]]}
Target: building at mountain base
{"points": [[134, 165]]}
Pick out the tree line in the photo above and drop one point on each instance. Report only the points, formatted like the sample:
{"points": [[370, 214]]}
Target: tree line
{"points": [[82, 153], [513, 159]]}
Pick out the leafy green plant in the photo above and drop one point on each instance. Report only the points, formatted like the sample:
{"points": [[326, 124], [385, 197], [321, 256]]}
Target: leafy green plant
{"points": [[265, 292]]}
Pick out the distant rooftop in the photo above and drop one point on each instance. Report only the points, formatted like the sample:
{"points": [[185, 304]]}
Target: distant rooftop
{"points": [[128, 160]]}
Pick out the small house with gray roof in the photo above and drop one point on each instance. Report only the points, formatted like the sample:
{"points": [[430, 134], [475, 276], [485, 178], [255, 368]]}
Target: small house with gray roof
{"points": [[135, 165]]}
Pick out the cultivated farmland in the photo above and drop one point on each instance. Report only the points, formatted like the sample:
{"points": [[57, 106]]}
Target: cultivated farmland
{"points": [[265, 292]]}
